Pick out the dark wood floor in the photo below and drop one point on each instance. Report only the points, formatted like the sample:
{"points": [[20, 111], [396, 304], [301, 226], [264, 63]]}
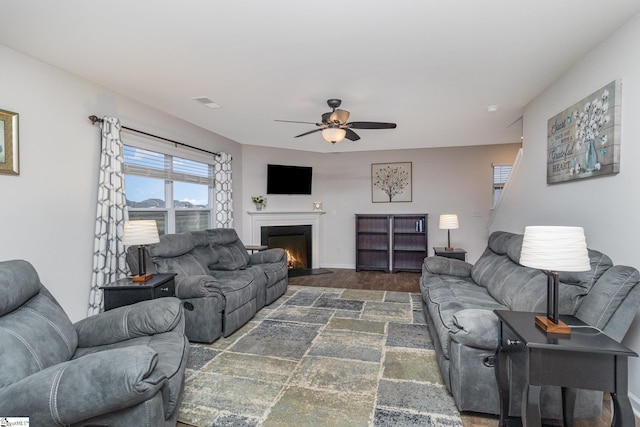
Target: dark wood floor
{"points": [[409, 282], [372, 280]]}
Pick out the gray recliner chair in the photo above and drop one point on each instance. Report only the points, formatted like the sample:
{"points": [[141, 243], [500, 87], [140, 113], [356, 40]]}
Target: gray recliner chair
{"points": [[123, 367]]}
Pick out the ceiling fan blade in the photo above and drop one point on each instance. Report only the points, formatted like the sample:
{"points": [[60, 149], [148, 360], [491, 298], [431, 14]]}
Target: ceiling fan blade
{"points": [[339, 116], [371, 125], [351, 135], [293, 121], [326, 118], [307, 133]]}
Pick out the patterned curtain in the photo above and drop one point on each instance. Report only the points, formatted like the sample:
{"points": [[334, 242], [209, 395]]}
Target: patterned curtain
{"points": [[223, 193], [108, 251]]}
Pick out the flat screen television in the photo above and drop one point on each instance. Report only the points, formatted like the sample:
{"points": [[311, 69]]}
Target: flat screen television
{"points": [[283, 179]]}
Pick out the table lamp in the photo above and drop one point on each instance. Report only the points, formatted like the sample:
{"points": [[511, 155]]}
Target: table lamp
{"points": [[140, 232], [552, 249], [448, 222]]}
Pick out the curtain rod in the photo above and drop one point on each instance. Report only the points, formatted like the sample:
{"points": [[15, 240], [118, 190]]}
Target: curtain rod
{"points": [[96, 119]]}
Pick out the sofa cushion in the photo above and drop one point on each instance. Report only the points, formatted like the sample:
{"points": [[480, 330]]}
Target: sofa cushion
{"points": [[174, 254], [522, 288], [20, 283], [231, 253], [172, 350], [447, 295], [185, 265], [34, 337], [612, 288], [203, 252], [586, 279], [172, 245]]}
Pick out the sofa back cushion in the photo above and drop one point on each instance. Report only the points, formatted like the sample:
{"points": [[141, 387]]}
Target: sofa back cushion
{"points": [[609, 292], [230, 251], [525, 289], [35, 333], [203, 252], [174, 254]]}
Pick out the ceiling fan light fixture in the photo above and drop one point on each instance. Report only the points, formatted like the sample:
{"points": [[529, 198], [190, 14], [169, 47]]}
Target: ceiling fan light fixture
{"points": [[333, 135]]}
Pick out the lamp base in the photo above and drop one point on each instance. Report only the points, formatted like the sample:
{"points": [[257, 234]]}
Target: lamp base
{"points": [[553, 328], [142, 278], [448, 249]]}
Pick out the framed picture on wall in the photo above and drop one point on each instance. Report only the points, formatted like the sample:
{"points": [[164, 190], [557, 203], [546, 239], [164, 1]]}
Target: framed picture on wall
{"points": [[9, 143], [391, 182], [583, 141]]}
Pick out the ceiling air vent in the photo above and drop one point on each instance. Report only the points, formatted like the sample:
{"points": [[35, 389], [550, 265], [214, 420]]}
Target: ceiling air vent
{"points": [[206, 101]]}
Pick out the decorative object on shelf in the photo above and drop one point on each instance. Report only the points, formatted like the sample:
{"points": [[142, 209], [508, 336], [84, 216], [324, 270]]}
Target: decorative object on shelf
{"points": [[317, 206], [140, 232], [583, 141], [553, 249], [391, 182], [260, 202], [448, 222], [9, 162]]}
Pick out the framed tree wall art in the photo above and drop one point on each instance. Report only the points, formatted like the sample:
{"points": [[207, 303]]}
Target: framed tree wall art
{"points": [[9, 143], [583, 141], [391, 182]]}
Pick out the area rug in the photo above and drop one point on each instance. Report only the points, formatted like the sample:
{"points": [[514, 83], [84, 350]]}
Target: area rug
{"points": [[322, 357]]}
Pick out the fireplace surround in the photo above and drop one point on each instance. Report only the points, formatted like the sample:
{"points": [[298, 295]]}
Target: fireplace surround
{"points": [[261, 219]]}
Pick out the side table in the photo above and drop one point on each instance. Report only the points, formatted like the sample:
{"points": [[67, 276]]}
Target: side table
{"points": [[586, 359], [456, 253], [125, 291], [254, 248]]}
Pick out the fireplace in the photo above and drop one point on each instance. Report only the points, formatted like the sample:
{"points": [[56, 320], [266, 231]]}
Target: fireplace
{"points": [[294, 239]]}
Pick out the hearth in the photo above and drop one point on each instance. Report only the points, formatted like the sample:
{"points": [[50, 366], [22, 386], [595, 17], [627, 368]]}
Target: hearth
{"points": [[295, 239]]}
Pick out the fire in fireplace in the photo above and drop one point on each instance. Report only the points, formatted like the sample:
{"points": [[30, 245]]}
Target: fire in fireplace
{"points": [[294, 239]]}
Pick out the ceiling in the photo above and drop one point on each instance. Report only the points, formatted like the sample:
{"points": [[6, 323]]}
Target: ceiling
{"points": [[431, 66]]}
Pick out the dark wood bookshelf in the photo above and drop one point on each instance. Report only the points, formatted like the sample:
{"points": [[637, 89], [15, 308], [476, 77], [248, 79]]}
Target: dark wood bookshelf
{"points": [[391, 242]]}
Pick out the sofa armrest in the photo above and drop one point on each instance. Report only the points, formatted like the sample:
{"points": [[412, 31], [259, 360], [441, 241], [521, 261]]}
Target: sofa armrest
{"points": [[448, 266], [141, 319], [86, 387], [269, 256], [196, 286], [476, 328]]}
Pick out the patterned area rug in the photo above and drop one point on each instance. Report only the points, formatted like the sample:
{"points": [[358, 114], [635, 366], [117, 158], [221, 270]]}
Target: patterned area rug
{"points": [[322, 357]]}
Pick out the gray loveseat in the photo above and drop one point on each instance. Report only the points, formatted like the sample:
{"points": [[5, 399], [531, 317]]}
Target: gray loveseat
{"points": [[124, 367], [458, 302], [221, 285]]}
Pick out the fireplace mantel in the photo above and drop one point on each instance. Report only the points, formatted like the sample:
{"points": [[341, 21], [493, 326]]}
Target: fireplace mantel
{"points": [[261, 219]]}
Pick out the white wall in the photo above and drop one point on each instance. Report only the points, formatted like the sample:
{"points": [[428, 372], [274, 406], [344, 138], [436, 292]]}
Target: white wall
{"points": [[445, 180], [606, 207], [48, 211]]}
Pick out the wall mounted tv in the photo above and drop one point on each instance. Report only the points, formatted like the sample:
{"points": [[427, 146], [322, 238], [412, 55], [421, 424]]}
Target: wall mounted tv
{"points": [[283, 179]]}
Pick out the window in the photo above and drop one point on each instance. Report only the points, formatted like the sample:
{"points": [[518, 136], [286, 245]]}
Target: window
{"points": [[500, 176], [176, 192]]}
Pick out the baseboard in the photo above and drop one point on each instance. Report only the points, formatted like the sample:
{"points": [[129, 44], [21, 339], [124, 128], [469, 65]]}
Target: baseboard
{"points": [[345, 266], [635, 404]]}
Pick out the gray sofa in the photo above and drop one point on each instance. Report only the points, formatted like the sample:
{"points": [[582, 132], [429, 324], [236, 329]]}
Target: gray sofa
{"points": [[458, 302], [124, 367], [221, 285]]}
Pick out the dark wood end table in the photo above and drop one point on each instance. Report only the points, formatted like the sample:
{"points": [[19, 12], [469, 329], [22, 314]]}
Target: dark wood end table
{"points": [[586, 359], [456, 253], [126, 291]]}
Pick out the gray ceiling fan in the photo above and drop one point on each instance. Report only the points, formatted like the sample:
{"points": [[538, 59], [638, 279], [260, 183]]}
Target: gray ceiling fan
{"points": [[334, 125]]}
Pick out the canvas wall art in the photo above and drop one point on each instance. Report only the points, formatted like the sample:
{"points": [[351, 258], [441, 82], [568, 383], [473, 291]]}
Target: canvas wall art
{"points": [[391, 182], [583, 141]]}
